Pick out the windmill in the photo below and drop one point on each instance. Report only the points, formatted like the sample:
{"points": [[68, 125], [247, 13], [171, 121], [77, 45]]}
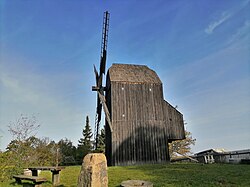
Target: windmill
{"points": [[99, 88], [139, 121]]}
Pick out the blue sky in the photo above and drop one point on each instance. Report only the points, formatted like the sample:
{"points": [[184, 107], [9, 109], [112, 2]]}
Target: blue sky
{"points": [[199, 49]]}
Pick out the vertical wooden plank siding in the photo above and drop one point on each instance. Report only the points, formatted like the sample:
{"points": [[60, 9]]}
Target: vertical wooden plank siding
{"points": [[142, 122]]}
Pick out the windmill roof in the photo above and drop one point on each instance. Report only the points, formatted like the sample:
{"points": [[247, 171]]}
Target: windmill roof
{"points": [[133, 74]]}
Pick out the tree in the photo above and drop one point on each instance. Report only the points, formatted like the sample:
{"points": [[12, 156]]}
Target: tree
{"points": [[5, 170], [67, 152], [21, 130], [24, 127], [85, 144], [34, 151], [182, 147], [44, 151], [25, 149]]}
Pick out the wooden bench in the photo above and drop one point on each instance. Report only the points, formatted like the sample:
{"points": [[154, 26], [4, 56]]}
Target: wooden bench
{"points": [[36, 180], [54, 170]]}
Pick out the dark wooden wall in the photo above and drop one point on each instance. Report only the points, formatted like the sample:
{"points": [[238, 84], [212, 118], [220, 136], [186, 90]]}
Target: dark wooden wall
{"points": [[143, 123], [174, 122]]}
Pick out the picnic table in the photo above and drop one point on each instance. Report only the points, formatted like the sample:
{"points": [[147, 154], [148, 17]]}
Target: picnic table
{"points": [[54, 170]]}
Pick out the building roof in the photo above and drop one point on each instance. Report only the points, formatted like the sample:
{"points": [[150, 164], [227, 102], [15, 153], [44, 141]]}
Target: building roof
{"points": [[210, 151], [222, 151], [130, 73]]}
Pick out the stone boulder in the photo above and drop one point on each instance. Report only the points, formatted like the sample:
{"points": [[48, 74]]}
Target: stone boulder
{"points": [[94, 171], [136, 183]]}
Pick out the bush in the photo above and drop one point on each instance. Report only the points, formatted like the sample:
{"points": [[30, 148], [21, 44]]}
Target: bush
{"points": [[7, 167]]}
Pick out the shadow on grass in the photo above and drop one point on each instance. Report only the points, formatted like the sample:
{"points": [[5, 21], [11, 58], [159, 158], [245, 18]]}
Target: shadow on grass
{"points": [[28, 184], [24, 184]]}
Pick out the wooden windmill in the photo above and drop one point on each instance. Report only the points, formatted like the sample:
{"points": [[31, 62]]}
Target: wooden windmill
{"points": [[139, 122]]}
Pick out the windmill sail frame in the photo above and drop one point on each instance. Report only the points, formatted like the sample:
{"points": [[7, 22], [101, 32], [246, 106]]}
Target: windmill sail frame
{"points": [[99, 77]]}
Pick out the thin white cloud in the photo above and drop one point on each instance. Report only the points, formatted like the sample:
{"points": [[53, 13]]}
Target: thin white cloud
{"points": [[212, 26], [225, 16]]}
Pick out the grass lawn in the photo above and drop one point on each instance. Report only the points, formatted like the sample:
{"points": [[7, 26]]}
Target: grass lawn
{"points": [[182, 174]]}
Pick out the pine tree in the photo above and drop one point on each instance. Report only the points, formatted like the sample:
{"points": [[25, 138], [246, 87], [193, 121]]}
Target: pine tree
{"points": [[85, 144]]}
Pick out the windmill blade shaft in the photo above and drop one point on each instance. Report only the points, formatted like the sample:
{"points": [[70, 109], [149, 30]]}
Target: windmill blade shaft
{"points": [[107, 114]]}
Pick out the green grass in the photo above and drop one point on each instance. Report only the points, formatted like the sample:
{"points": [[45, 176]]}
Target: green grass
{"points": [[183, 174]]}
